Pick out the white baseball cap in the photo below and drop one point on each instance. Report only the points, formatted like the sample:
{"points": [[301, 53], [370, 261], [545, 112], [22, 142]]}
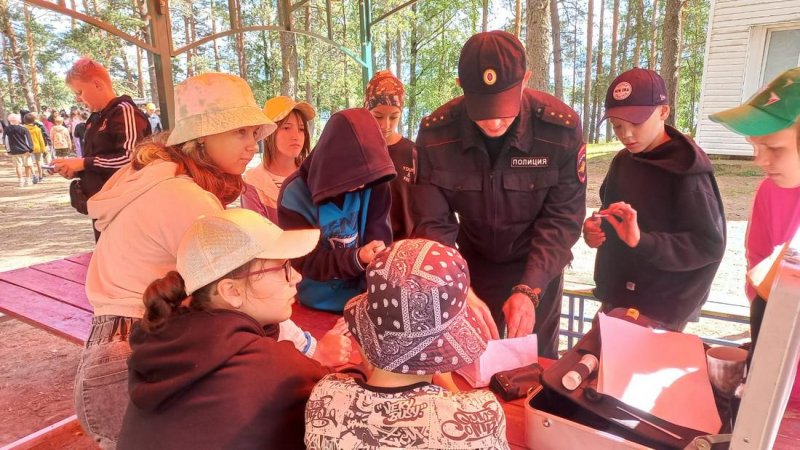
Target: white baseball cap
{"points": [[217, 244]]}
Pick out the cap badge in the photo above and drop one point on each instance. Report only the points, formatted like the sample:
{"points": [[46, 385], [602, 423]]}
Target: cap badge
{"points": [[773, 98], [622, 91], [489, 77]]}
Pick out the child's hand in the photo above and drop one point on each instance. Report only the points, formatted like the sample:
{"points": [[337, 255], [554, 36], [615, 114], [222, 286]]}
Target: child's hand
{"points": [[623, 218], [593, 235], [367, 253], [335, 347]]}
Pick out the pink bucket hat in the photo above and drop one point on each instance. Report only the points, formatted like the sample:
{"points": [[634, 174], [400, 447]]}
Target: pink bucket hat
{"points": [[414, 317]]}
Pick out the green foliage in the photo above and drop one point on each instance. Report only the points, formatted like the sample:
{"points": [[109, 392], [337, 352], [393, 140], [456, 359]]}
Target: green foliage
{"points": [[431, 34]]}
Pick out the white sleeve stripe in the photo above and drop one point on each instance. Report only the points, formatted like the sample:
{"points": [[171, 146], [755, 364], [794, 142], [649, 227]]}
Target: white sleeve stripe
{"points": [[129, 143]]}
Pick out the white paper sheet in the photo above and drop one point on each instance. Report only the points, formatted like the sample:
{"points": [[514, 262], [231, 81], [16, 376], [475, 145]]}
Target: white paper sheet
{"points": [[500, 355], [661, 372]]}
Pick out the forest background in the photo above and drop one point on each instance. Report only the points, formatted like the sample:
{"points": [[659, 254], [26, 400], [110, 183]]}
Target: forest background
{"points": [[574, 48]]}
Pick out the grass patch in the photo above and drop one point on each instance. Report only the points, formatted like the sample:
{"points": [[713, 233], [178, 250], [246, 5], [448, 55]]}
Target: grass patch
{"points": [[736, 169], [595, 149]]}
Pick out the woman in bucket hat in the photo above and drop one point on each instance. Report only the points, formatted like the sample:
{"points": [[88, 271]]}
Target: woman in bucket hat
{"points": [[203, 373], [143, 211], [412, 323], [284, 150]]}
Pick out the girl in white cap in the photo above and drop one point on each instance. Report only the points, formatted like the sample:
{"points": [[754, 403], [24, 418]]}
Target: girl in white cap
{"points": [[143, 211], [203, 373]]}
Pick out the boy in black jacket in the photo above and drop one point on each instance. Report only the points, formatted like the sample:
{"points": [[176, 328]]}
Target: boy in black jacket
{"points": [[112, 131], [19, 144], [660, 233]]}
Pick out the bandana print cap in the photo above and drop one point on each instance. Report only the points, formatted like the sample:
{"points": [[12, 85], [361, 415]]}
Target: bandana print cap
{"points": [[384, 89], [414, 317]]}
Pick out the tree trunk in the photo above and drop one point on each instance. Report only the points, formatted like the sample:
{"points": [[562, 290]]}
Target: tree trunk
{"points": [[127, 68], [214, 31], [388, 51], [518, 18], [599, 79], [32, 69], [411, 94], [485, 16], [671, 39], [623, 53], [306, 60], [652, 57], [574, 64], [188, 37], [345, 58], [537, 43], [398, 60], [558, 57], [16, 56], [587, 84], [612, 73], [637, 49], [6, 56], [72, 19]]}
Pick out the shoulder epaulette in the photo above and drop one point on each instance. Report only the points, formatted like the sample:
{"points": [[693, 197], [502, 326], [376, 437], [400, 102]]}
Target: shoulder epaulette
{"points": [[558, 116], [442, 116]]}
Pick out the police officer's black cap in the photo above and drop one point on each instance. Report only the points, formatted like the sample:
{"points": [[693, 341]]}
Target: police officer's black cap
{"points": [[490, 70]]}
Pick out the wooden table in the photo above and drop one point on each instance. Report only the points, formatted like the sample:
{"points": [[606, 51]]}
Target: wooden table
{"points": [[52, 296]]}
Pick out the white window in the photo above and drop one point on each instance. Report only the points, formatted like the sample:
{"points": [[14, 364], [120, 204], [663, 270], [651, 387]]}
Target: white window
{"points": [[772, 50]]}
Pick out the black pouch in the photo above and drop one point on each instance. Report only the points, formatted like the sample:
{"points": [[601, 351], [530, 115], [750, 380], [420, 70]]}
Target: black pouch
{"points": [[516, 383], [77, 198]]}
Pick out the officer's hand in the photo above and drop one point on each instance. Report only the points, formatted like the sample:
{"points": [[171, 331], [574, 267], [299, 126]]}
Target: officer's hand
{"points": [[623, 218], [593, 235], [485, 324], [367, 253], [520, 315]]}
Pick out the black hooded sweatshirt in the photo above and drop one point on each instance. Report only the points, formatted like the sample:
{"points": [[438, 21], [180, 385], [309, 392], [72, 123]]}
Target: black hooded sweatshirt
{"points": [[680, 214], [214, 380], [110, 137]]}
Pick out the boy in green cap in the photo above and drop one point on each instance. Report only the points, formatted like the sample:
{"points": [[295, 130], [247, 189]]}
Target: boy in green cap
{"points": [[769, 122]]}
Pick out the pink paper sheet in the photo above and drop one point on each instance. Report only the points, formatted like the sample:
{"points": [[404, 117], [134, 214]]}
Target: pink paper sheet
{"points": [[661, 372]]}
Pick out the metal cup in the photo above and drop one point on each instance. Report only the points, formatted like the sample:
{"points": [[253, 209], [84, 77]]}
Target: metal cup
{"points": [[726, 366]]}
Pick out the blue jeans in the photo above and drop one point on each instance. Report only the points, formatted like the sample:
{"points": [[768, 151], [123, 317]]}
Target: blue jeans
{"points": [[101, 384]]}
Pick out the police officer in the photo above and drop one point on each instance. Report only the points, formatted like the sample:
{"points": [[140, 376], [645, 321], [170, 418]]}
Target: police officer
{"points": [[502, 173]]}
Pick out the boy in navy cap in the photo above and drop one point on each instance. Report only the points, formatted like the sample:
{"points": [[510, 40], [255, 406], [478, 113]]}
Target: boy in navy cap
{"points": [[510, 162], [660, 233]]}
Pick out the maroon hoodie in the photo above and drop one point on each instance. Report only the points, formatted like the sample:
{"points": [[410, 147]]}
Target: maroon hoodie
{"points": [[351, 153], [213, 379]]}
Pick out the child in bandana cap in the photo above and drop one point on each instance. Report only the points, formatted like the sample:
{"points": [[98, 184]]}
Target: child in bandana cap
{"points": [[412, 323], [384, 98], [770, 121]]}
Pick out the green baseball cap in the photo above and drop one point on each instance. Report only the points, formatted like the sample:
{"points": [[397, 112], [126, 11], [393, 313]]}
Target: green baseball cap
{"points": [[773, 108]]}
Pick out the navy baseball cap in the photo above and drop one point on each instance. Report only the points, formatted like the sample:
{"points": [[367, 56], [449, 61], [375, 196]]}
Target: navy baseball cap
{"points": [[634, 95], [490, 70]]}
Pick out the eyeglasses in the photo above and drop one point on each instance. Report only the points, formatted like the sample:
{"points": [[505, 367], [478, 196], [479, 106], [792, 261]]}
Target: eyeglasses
{"points": [[286, 267]]}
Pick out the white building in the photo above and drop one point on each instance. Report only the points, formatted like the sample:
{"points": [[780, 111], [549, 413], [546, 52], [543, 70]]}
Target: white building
{"points": [[749, 43]]}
